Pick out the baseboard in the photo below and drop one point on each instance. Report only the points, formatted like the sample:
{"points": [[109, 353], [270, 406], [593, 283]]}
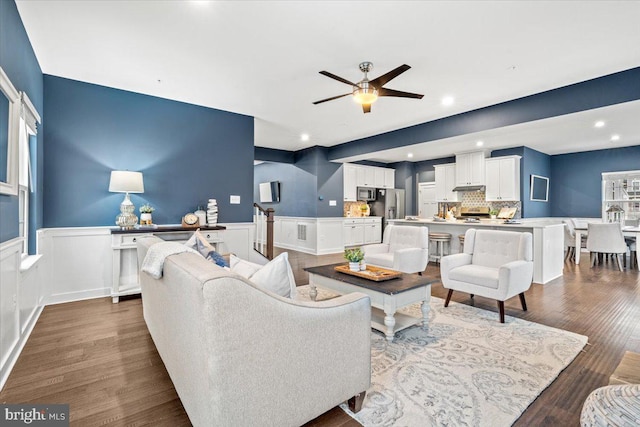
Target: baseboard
{"points": [[17, 349], [78, 296], [296, 248]]}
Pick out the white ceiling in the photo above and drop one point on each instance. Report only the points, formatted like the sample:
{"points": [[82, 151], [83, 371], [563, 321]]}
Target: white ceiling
{"points": [[261, 58]]}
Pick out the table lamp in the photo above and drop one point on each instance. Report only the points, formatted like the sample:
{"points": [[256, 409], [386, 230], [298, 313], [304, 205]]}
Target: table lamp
{"points": [[126, 182]]}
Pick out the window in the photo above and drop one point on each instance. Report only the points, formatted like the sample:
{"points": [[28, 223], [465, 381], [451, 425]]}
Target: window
{"points": [[29, 119]]}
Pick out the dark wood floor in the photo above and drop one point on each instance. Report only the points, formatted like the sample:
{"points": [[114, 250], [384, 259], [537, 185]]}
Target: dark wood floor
{"points": [[99, 357]]}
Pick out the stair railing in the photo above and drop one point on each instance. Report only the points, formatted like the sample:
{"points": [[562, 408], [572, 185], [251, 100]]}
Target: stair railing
{"points": [[263, 241]]}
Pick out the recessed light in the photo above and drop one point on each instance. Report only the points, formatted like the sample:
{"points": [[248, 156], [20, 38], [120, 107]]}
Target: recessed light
{"points": [[304, 137], [410, 155], [615, 137], [479, 143], [447, 100], [599, 124]]}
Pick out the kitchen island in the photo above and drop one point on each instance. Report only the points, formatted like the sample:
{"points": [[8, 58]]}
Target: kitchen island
{"points": [[548, 240]]}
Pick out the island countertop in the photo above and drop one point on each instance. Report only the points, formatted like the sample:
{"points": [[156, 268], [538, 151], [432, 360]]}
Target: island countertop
{"points": [[521, 223], [548, 239]]}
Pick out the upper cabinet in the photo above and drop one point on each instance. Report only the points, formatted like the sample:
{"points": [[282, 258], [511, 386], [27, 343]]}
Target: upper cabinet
{"points": [[470, 168], [355, 176], [445, 183], [350, 182], [502, 178]]}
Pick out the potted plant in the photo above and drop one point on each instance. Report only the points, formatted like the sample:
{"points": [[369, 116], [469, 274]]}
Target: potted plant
{"points": [[354, 256], [493, 213], [145, 214]]}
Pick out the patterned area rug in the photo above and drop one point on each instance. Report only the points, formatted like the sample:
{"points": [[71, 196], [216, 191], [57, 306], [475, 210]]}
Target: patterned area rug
{"points": [[463, 369]]}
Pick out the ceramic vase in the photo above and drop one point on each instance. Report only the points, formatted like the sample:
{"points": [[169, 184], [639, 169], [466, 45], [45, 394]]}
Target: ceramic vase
{"points": [[145, 219], [363, 266], [354, 266]]}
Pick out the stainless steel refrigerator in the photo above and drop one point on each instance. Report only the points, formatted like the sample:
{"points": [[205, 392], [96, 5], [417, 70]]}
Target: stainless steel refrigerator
{"points": [[389, 204]]}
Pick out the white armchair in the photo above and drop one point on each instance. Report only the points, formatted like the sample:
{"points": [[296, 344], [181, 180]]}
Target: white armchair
{"points": [[494, 264], [404, 248]]}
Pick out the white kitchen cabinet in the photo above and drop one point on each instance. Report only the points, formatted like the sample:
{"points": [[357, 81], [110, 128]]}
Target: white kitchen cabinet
{"points": [[372, 230], [389, 178], [355, 176], [445, 182], [353, 232], [350, 182], [380, 175], [359, 231], [502, 179], [470, 168]]}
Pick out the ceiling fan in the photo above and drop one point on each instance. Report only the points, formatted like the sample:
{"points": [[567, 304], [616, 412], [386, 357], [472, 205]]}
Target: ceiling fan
{"points": [[366, 91]]}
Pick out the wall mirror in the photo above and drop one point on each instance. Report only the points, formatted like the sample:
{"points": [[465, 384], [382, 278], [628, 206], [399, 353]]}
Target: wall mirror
{"points": [[9, 117], [539, 188]]}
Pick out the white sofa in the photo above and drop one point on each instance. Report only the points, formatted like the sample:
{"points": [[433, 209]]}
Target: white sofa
{"points": [[239, 355], [404, 248], [495, 264]]}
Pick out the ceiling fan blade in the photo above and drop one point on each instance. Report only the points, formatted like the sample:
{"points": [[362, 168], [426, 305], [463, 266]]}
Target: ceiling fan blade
{"points": [[338, 78], [390, 92], [378, 82], [330, 99], [366, 108]]}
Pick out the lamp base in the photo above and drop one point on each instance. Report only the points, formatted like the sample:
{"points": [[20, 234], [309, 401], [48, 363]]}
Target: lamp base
{"points": [[127, 219]]}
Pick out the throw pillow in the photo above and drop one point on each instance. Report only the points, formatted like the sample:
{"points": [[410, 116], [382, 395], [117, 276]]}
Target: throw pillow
{"points": [[276, 275], [244, 268], [199, 243]]}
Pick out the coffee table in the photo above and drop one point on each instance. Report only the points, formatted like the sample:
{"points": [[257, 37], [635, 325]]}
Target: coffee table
{"points": [[386, 296]]}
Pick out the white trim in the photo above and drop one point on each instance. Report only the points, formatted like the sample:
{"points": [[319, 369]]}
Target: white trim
{"points": [[10, 186], [17, 349]]}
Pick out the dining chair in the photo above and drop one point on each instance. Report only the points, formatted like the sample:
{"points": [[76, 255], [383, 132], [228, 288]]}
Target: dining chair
{"points": [[631, 241], [570, 238], [606, 238]]}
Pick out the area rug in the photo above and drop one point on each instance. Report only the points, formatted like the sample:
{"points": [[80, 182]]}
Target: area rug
{"points": [[463, 369]]}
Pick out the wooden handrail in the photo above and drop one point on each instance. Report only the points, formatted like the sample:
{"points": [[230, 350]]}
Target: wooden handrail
{"points": [[270, 214]]}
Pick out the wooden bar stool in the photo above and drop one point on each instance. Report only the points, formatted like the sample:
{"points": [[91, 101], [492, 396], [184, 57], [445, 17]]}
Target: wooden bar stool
{"points": [[440, 239], [461, 239]]}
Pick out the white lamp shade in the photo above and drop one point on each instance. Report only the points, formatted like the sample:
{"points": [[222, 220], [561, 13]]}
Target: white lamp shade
{"points": [[126, 182]]}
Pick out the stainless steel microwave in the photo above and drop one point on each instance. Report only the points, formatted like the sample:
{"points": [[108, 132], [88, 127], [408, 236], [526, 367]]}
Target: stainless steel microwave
{"points": [[366, 194]]}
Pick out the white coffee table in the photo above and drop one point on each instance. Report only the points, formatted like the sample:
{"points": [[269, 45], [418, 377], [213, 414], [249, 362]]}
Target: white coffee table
{"points": [[386, 296]]}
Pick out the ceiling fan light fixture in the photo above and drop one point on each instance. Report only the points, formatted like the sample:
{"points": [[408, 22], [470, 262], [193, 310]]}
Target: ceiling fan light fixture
{"points": [[365, 96]]}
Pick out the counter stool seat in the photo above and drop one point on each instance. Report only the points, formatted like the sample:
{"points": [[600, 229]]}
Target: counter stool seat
{"points": [[440, 239]]}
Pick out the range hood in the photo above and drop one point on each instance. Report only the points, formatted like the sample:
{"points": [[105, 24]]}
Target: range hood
{"points": [[476, 188]]}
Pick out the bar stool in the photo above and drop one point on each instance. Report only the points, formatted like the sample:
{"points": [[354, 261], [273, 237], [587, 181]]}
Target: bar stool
{"points": [[440, 239], [461, 239]]}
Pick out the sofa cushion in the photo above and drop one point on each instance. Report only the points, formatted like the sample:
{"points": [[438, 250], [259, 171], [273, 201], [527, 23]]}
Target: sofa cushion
{"points": [[381, 260], [275, 276], [476, 274]]}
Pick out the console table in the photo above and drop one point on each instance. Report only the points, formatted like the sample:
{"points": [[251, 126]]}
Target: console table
{"points": [[125, 261]]}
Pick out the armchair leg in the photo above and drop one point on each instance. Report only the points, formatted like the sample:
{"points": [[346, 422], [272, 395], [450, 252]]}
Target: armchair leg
{"points": [[355, 403], [446, 302], [523, 302], [501, 308]]}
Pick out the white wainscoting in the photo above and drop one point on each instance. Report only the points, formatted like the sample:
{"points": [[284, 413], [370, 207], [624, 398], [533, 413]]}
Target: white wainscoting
{"points": [[316, 236], [20, 302], [78, 261]]}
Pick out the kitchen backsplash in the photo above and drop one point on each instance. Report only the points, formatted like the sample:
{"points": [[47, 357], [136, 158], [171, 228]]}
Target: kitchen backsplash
{"points": [[474, 199], [352, 209]]}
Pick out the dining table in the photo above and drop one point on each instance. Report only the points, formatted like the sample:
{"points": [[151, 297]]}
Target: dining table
{"points": [[582, 230]]}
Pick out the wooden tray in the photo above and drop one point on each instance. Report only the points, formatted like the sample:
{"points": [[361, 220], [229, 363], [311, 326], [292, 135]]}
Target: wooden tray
{"points": [[376, 274]]}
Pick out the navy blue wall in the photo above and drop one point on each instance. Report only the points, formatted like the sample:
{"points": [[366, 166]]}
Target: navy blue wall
{"points": [[576, 180], [19, 62], [303, 184], [297, 189], [187, 154]]}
